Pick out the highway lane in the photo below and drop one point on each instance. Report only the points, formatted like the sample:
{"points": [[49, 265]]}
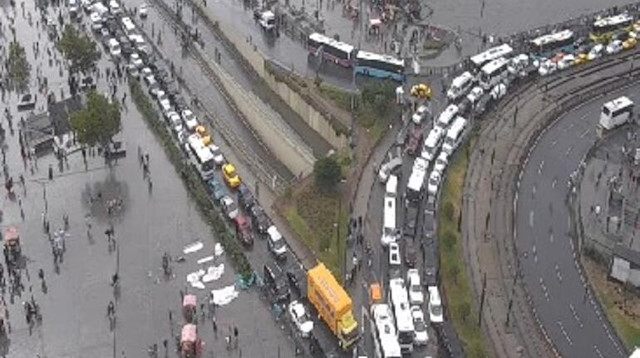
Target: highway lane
{"points": [[548, 256]]}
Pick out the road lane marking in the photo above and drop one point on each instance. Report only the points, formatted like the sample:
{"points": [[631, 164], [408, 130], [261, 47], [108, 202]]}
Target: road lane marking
{"points": [[554, 182], [540, 167], [558, 274], [575, 315], [597, 350], [535, 254], [554, 143], [584, 134], [564, 333], [551, 238], [531, 214], [566, 154], [544, 289]]}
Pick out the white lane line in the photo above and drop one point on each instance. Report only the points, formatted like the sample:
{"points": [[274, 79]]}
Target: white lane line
{"points": [[584, 134], [533, 191], [535, 254], [554, 182], [540, 167], [544, 289], [551, 238], [597, 350], [566, 154], [531, 215], [554, 143], [558, 274], [575, 315], [564, 333]]}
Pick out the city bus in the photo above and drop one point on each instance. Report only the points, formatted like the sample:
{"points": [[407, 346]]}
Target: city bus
{"points": [[401, 310], [491, 54], [603, 29], [389, 221], [551, 44], [202, 156], [379, 66], [494, 73], [383, 332], [332, 50]]}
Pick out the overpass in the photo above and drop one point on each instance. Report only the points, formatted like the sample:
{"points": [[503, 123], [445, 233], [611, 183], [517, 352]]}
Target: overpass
{"points": [[517, 229]]}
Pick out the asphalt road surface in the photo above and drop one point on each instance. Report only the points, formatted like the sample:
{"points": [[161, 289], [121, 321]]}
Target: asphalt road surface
{"points": [[550, 270]]}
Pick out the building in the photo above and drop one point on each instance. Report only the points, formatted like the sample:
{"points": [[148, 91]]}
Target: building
{"points": [[41, 129], [625, 265]]}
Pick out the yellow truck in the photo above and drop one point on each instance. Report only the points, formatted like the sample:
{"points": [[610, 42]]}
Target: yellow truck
{"points": [[333, 304]]}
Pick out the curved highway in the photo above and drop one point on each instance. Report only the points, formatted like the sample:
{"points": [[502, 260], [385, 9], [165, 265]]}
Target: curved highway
{"points": [[548, 256]]}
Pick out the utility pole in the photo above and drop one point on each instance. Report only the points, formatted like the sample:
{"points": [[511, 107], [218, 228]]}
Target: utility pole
{"points": [[513, 291], [484, 291]]}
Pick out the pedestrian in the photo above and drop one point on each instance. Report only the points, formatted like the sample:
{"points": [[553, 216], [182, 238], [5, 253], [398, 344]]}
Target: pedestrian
{"points": [[235, 335], [215, 326], [50, 172]]}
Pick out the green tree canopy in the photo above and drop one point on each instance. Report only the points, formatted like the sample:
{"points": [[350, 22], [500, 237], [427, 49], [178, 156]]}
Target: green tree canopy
{"points": [[18, 66], [98, 122], [326, 172], [79, 49]]}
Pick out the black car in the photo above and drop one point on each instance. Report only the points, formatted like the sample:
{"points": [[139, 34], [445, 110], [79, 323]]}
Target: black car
{"points": [[410, 254], [430, 276], [297, 279], [410, 220], [276, 283], [429, 227], [27, 102], [430, 205], [245, 197], [87, 83], [260, 219]]}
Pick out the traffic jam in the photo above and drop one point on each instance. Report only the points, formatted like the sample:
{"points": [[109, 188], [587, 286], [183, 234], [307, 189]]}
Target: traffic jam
{"points": [[407, 304]]}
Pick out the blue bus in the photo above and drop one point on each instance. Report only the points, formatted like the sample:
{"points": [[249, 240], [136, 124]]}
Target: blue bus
{"points": [[379, 66]]}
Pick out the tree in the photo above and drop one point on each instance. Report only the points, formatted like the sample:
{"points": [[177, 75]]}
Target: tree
{"points": [[98, 122], [79, 49], [18, 66], [326, 172]]}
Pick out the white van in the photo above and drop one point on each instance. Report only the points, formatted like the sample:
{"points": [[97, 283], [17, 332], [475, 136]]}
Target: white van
{"points": [[392, 186], [114, 7], [128, 25], [447, 116], [454, 135], [432, 144], [114, 47], [267, 20], [96, 21], [460, 85], [435, 305], [493, 73]]}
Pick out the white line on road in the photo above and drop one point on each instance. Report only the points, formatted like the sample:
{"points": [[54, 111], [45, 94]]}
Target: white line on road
{"points": [[544, 289], [597, 350], [584, 134], [535, 254], [568, 151], [531, 214], [564, 333], [558, 274], [540, 167], [554, 182], [551, 237], [575, 315], [554, 143]]}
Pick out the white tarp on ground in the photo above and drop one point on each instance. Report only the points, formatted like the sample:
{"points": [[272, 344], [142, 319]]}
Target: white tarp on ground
{"points": [[194, 279], [204, 260], [193, 247], [213, 273], [225, 295], [218, 250]]}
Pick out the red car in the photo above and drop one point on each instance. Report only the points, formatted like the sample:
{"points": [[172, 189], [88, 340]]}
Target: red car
{"points": [[415, 141], [243, 230]]}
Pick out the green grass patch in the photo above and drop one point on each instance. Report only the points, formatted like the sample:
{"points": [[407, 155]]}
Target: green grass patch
{"points": [[340, 97], [313, 215], [452, 271]]}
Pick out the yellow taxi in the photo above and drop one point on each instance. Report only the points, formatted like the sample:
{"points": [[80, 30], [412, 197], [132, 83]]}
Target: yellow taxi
{"points": [[421, 91], [636, 26], [629, 43], [581, 59], [230, 176]]}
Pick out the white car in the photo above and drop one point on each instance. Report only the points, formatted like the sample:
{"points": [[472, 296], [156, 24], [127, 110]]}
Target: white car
{"points": [[229, 207], [547, 67], [190, 119], [421, 337], [218, 157], [181, 137], [441, 163], [596, 52], [387, 168], [96, 21], [143, 11], [114, 7], [566, 62], [175, 122], [114, 47], [420, 114], [300, 318], [434, 183], [136, 60], [475, 94], [435, 305], [146, 72], [416, 297], [394, 254], [614, 47]]}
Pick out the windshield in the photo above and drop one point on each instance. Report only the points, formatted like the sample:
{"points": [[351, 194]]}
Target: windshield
{"points": [[434, 180], [416, 288], [419, 325], [436, 310]]}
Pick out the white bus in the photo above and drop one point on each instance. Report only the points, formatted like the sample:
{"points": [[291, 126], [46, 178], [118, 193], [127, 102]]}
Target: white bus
{"points": [[402, 312], [454, 135], [447, 116], [389, 221], [432, 144], [415, 186], [616, 112], [460, 86], [491, 54], [385, 339], [493, 73], [391, 189], [335, 51], [202, 156], [550, 44], [607, 25]]}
